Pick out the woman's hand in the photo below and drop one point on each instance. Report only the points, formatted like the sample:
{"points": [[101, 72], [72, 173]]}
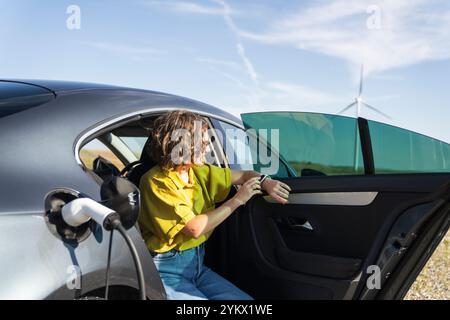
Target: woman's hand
{"points": [[277, 190], [247, 190]]}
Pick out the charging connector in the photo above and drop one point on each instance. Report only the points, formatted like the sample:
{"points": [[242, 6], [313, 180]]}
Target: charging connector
{"points": [[81, 210]]}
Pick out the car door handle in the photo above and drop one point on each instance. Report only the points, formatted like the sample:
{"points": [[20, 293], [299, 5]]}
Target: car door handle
{"points": [[304, 226], [296, 224]]}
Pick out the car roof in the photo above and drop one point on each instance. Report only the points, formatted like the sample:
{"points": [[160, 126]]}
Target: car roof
{"points": [[58, 86]]}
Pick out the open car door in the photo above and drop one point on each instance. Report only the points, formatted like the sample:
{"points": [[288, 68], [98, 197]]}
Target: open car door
{"points": [[369, 204]]}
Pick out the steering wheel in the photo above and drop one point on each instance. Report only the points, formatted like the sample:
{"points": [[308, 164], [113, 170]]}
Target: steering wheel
{"points": [[128, 167]]}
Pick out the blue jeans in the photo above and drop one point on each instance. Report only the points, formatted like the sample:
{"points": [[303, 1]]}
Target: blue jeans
{"points": [[185, 277]]}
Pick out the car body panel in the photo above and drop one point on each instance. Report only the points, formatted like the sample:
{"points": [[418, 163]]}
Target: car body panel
{"points": [[38, 156], [41, 266]]}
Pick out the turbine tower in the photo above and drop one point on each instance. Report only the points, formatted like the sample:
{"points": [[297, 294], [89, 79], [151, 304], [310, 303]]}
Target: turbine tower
{"points": [[359, 103]]}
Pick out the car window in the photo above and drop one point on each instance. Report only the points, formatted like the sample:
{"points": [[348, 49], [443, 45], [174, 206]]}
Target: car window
{"points": [[397, 150], [311, 143], [240, 153], [235, 145], [16, 97], [96, 148], [135, 144], [135, 138]]}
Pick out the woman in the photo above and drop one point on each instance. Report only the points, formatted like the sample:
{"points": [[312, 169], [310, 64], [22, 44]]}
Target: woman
{"points": [[178, 206]]}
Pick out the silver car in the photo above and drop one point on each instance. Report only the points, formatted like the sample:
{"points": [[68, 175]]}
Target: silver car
{"points": [[369, 203]]}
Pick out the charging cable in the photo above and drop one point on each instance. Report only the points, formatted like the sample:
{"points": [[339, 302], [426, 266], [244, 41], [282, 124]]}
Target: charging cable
{"points": [[108, 265], [81, 210]]}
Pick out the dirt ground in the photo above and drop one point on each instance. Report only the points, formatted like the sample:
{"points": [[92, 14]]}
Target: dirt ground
{"points": [[433, 283]]}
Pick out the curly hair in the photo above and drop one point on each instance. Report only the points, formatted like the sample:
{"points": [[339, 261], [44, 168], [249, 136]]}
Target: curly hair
{"points": [[177, 138]]}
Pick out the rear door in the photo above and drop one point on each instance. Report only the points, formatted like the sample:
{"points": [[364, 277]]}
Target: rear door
{"points": [[369, 204]]}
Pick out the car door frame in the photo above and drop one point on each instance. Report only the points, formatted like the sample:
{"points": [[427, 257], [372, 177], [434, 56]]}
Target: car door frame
{"points": [[105, 126]]}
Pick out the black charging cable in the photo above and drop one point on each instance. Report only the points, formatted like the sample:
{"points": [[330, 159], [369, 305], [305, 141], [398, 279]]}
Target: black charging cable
{"points": [[112, 223], [108, 266]]}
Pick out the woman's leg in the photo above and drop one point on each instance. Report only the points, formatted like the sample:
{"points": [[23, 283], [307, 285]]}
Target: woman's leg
{"points": [[178, 288], [215, 287], [177, 271]]}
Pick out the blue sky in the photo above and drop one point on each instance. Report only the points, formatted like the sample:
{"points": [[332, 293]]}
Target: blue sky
{"points": [[247, 55]]}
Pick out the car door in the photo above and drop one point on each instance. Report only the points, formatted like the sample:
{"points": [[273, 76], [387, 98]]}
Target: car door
{"points": [[368, 206]]}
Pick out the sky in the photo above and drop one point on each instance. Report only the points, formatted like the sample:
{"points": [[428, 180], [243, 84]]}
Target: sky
{"points": [[245, 56]]}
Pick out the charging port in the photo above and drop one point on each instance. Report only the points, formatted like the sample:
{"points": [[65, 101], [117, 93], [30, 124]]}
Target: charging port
{"points": [[54, 201]]}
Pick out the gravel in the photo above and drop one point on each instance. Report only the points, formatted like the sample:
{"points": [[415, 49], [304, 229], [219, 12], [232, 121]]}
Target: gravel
{"points": [[433, 283]]}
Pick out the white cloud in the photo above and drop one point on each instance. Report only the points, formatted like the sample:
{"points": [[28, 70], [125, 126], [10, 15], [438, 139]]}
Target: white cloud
{"points": [[280, 95], [295, 95], [260, 94], [187, 7], [222, 8], [411, 31], [263, 95], [248, 65]]}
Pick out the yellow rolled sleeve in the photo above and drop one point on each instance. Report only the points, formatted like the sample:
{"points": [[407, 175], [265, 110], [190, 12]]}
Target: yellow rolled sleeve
{"points": [[184, 214], [217, 181]]}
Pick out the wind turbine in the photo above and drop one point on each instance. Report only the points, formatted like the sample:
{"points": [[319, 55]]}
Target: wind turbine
{"points": [[359, 102]]}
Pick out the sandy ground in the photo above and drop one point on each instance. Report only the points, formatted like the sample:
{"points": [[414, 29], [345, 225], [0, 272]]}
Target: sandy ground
{"points": [[433, 283]]}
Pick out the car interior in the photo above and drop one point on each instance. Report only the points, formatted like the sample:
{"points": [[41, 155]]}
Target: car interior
{"points": [[329, 242]]}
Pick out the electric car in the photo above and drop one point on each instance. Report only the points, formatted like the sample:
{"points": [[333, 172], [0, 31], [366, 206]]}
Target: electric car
{"points": [[369, 203]]}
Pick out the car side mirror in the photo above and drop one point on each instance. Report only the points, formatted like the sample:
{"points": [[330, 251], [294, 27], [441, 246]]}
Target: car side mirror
{"points": [[122, 196]]}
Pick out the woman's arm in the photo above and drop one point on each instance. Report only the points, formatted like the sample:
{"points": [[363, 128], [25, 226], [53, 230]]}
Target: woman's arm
{"points": [[276, 189], [239, 177], [203, 223]]}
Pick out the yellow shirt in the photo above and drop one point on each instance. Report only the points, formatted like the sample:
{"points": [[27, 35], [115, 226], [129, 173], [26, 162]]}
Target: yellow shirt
{"points": [[168, 203]]}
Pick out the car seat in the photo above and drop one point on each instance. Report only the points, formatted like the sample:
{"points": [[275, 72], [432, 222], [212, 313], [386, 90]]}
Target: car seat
{"points": [[140, 167]]}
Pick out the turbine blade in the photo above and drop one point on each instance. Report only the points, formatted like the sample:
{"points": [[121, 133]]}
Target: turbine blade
{"points": [[346, 108], [376, 110]]}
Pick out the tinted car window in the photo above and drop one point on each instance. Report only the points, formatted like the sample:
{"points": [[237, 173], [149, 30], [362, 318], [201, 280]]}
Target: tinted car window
{"points": [[311, 143], [237, 150], [16, 97], [397, 150], [240, 153]]}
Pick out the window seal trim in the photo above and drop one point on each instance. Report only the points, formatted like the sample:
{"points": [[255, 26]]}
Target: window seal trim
{"points": [[93, 131]]}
